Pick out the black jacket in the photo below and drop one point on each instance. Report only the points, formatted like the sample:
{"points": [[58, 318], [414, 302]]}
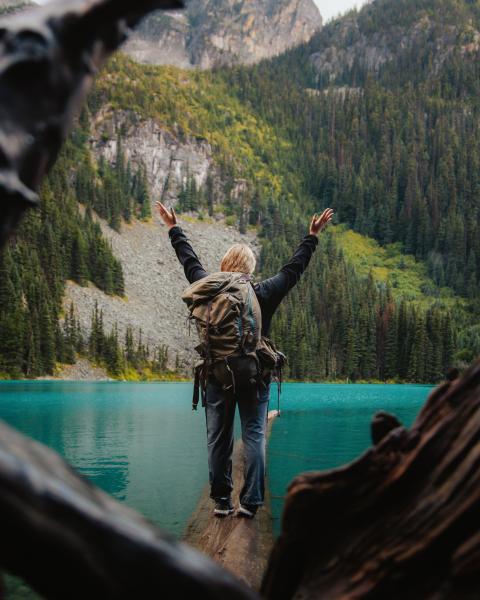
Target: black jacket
{"points": [[269, 292]]}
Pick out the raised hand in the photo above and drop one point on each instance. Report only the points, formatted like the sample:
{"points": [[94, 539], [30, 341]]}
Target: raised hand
{"points": [[168, 216], [319, 223]]}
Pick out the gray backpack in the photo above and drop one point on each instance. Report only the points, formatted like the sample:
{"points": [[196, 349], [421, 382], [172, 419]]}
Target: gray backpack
{"points": [[228, 320]]}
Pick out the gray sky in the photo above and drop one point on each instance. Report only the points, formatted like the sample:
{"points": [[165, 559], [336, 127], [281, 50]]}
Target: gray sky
{"points": [[332, 8]]}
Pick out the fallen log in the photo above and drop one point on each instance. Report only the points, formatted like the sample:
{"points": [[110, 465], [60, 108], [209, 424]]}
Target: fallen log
{"points": [[68, 539], [240, 545], [401, 521], [49, 57]]}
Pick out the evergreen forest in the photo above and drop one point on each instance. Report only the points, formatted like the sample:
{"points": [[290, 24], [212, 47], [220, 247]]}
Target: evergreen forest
{"points": [[393, 290]]}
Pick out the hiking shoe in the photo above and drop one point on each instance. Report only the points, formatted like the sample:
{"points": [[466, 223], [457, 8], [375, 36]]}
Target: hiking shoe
{"points": [[223, 507], [247, 511]]}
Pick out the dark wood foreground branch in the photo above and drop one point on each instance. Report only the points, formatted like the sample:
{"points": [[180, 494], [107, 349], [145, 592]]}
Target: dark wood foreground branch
{"points": [[68, 539], [48, 58], [403, 521]]}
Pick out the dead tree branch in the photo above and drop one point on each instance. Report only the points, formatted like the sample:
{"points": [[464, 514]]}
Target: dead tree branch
{"points": [[402, 521], [48, 58], [68, 539]]}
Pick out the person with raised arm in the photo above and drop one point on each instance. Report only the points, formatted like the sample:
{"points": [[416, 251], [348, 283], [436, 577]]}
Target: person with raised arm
{"points": [[237, 357]]}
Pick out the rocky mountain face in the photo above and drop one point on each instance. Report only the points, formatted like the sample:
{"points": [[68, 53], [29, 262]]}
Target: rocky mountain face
{"points": [[210, 33], [376, 36], [154, 280], [169, 159], [352, 46]]}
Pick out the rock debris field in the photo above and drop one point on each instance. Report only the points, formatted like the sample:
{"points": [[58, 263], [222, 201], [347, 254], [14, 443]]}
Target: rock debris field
{"points": [[154, 282]]}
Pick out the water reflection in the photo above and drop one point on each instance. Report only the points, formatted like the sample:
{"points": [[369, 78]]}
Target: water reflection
{"points": [[139, 442]]}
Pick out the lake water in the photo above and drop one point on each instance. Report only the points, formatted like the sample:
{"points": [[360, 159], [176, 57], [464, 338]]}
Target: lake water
{"points": [[325, 425], [142, 443]]}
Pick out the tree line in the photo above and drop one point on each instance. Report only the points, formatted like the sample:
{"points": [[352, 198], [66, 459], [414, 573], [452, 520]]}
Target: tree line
{"points": [[352, 328], [397, 165], [52, 245], [120, 357]]}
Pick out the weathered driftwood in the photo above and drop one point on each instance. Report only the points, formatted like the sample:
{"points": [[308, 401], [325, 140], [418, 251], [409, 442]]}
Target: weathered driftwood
{"points": [[68, 539], [403, 521], [240, 545], [48, 58], [382, 424]]}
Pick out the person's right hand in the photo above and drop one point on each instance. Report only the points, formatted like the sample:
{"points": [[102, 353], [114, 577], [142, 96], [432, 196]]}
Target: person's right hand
{"points": [[167, 216], [318, 224]]}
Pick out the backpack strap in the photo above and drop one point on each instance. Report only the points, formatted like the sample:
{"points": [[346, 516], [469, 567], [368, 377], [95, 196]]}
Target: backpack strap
{"points": [[279, 389], [196, 389], [200, 384], [202, 368], [207, 334]]}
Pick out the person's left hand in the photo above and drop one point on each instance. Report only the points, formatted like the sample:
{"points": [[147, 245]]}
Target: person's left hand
{"points": [[319, 223], [167, 216]]}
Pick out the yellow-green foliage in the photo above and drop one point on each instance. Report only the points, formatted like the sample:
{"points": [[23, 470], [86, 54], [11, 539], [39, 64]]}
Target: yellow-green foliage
{"points": [[146, 374], [194, 219], [196, 104], [407, 277]]}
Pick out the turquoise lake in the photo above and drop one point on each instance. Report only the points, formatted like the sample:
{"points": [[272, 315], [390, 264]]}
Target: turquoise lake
{"points": [[142, 443]]}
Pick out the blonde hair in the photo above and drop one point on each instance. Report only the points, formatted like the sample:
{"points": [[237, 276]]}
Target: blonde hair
{"points": [[238, 259]]}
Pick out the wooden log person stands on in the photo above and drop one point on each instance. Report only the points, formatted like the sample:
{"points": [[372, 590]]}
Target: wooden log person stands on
{"points": [[401, 521], [240, 545]]}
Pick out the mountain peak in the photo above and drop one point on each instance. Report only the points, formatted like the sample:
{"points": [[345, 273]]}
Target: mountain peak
{"points": [[210, 33]]}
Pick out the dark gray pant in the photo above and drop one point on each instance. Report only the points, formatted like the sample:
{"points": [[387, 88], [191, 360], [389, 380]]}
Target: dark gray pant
{"points": [[220, 412]]}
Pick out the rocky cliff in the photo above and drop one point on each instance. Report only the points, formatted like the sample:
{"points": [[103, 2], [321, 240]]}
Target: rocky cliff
{"points": [[374, 37], [154, 280], [210, 33], [169, 159]]}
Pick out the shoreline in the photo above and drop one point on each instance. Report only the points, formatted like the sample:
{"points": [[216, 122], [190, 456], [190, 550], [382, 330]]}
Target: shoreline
{"points": [[87, 371], [187, 380]]}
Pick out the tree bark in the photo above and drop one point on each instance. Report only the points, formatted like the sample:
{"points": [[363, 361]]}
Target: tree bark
{"points": [[68, 539], [49, 57], [240, 545], [401, 521]]}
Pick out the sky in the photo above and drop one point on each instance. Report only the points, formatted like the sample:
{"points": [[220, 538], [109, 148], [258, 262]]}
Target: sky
{"points": [[332, 8]]}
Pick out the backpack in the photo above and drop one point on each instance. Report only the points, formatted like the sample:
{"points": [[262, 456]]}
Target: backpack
{"points": [[228, 320]]}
